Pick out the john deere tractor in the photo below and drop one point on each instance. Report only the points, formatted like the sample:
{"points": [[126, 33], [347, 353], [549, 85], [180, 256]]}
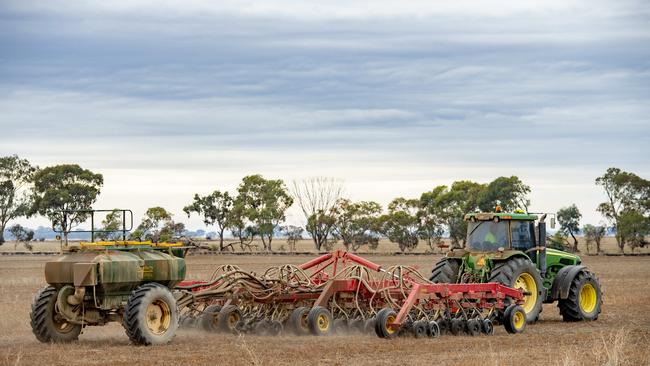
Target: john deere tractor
{"points": [[510, 248], [121, 281]]}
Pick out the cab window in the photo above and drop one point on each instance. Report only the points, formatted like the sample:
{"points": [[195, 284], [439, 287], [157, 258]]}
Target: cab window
{"points": [[521, 235]]}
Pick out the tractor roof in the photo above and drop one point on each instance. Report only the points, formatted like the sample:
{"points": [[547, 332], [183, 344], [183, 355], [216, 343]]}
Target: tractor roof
{"points": [[485, 216]]}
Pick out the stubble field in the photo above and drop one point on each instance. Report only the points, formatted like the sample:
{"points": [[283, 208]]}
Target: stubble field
{"points": [[620, 336]]}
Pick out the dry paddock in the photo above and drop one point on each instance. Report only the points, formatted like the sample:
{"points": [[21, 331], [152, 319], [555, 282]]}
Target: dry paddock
{"points": [[620, 336]]}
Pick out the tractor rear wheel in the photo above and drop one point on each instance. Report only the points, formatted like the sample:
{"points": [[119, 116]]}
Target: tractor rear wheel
{"points": [[521, 273], [47, 324], [445, 271], [151, 315], [585, 298]]}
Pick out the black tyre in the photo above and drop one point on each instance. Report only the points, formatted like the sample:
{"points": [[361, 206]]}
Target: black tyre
{"points": [[585, 298], [229, 317], [514, 319], [298, 321], [457, 326], [320, 321], [488, 327], [419, 329], [208, 321], [474, 327], [151, 316], [47, 325], [521, 273], [384, 327], [444, 325], [445, 271], [434, 329]]}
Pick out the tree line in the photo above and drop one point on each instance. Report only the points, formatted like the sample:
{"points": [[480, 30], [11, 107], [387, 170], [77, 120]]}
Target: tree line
{"points": [[257, 210]]}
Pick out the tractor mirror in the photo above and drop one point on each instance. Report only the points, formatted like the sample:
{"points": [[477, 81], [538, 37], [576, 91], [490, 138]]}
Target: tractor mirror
{"points": [[552, 222]]}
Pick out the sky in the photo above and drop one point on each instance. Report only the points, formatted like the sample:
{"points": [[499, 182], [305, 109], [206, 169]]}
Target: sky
{"points": [[171, 98]]}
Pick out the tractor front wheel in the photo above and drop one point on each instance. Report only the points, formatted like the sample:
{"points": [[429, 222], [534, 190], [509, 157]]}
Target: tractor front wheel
{"points": [[584, 300], [47, 324]]}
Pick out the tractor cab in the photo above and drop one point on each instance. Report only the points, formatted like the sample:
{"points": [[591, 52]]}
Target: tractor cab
{"points": [[492, 232]]}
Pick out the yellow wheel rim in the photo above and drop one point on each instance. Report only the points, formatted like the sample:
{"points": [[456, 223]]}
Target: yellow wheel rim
{"points": [[323, 323], [159, 317], [588, 298], [390, 329], [526, 283], [233, 319], [519, 320]]}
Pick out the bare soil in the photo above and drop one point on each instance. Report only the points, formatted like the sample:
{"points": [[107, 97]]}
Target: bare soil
{"points": [[619, 337]]}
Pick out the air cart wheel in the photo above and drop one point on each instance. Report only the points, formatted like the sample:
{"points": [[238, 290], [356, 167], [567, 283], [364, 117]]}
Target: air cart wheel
{"points": [[419, 329], [228, 318], [434, 329], [208, 320], [340, 326], [514, 319], [457, 326], [369, 326], [384, 327], [488, 327], [47, 324], [151, 315], [474, 327], [320, 321]]}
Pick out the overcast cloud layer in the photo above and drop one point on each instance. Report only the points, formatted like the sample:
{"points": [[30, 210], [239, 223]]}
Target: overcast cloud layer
{"points": [[171, 98]]}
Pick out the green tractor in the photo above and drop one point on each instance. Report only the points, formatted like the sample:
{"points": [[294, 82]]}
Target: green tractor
{"points": [[510, 248]]}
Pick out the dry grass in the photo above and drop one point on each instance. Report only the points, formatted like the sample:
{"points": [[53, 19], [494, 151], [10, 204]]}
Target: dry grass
{"points": [[619, 337]]}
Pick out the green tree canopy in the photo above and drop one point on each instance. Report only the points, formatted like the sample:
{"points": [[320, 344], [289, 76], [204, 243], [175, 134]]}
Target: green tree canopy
{"points": [[569, 220], [16, 175], [157, 225], [401, 224], [594, 235], [61, 191], [357, 223], [264, 203], [215, 209], [627, 194], [508, 192], [111, 225]]}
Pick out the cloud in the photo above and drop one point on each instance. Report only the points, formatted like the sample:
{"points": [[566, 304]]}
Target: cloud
{"points": [[392, 97]]}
